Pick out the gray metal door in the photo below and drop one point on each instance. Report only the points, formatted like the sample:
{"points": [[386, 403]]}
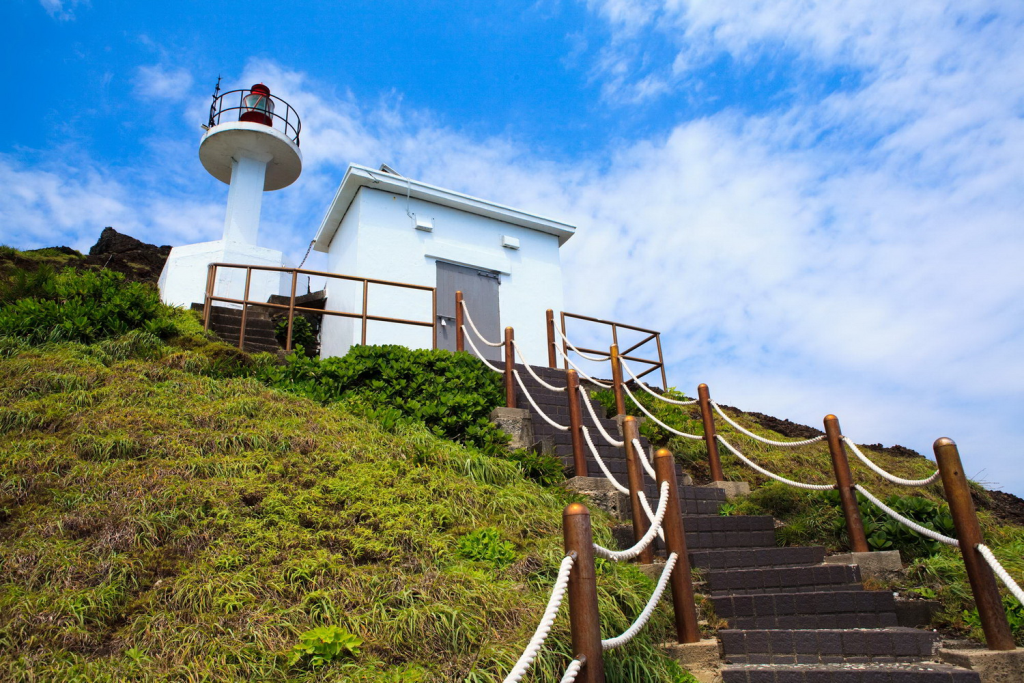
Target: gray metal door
{"points": [[480, 292]]}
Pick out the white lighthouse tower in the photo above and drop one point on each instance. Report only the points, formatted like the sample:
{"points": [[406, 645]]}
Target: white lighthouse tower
{"points": [[252, 144]]}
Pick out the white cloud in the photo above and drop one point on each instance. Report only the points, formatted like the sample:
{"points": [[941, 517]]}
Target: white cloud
{"points": [[158, 82], [62, 10], [796, 272]]}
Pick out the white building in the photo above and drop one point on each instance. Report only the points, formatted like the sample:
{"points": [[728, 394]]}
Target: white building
{"points": [[384, 226]]}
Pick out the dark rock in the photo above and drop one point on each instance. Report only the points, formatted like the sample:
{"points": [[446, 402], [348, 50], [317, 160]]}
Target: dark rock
{"points": [[896, 450], [786, 428], [125, 254]]}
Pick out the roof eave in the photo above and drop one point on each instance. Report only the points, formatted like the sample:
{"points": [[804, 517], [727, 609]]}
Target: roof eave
{"points": [[357, 176]]}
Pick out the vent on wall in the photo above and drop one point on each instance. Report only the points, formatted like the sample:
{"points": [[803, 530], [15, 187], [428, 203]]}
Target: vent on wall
{"points": [[509, 242], [425, 224]]}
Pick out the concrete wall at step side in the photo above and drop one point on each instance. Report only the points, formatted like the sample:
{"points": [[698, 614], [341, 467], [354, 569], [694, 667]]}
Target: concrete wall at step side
{"points": [[377, 239], [183, 279]]}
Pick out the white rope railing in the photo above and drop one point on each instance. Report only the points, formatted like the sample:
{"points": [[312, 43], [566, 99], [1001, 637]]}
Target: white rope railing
{"points": [[641, 545], [659, 422], [651, 391], [615, 482], [596, 359], [909, 523], [604, 468], [572, 671], [583, 373], [754, 436], [1003, 575], [645, 615], [477, 352], [469, 319], [885, 475], [753, 465], [597, 422], [546, 621], [529, 368], [643, 459], [561, 428]]}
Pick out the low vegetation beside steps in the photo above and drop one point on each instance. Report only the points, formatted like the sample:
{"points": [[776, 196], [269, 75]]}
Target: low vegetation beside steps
{"points": [[174, 509]]}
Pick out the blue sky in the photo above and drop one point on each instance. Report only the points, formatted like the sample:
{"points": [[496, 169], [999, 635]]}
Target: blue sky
{"points": [[820, 204]]}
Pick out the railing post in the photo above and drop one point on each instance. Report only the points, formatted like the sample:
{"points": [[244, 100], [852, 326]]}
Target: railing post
{"points": [[687, 630], [710, 436], [565, 345], [584, 617], [572, 394], [844, 482], [245, 309], [635, 476], [549, 316], [661, 360], [510, 364], [211, 275], [291, 312], [968, 532], [620, 400], [460, 338]]}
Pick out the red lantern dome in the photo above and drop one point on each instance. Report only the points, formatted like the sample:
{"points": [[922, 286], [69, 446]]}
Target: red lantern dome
{"points": [[257, 107]]}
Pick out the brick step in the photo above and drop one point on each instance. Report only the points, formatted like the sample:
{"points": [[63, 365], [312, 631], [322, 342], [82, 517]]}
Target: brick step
{"points": [[717, 523], [756, 557], [833, 609], [827, 646], [623, 535], [848, 673], [775, 579]]}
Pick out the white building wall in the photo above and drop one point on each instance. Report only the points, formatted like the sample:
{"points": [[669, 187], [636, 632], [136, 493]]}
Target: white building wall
{"points": [[183, 279], [339, 333], [377, 239]]}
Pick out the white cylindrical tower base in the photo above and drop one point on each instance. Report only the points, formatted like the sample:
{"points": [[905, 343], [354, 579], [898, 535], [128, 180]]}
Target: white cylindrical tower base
{"points": [[245, 199]]}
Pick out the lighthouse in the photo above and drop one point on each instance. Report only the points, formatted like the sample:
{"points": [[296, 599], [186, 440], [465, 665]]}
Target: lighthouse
{"points": [[251, 144]]}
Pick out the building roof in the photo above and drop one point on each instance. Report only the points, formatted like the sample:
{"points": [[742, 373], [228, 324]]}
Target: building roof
{"points": [[388, 181]]}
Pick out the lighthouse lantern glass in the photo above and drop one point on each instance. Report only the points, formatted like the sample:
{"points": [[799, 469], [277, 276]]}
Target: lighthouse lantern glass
{"points": [[259, 102]]}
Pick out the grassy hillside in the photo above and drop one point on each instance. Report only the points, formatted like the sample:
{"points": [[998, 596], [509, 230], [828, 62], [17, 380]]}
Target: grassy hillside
{"points": [[165, 514]]}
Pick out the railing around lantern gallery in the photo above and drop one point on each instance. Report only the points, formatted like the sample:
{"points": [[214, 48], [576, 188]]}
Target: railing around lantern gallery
{"points": [[245, 302], [234, 101], [602, 355]]}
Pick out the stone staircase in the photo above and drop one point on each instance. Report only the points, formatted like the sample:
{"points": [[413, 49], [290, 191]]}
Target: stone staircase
{"points": [[791, 617], [556, 406], [259, 329]]}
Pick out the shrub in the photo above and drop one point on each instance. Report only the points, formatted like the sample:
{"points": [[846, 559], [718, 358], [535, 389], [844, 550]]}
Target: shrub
{"points": [[323, 645], [81, 306], [453, 394], [485, 545], [302, 334]]}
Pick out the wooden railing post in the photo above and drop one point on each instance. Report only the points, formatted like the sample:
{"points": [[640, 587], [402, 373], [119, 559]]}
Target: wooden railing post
{"points": [[245, 309], [965, 518], [687, 630], [844, 482], [549, 316], [584, 617], [620, 401], [291, 312], [460, 335], [710, 436], [510, 364], [579, 452], [211, 275], [635, 476]]}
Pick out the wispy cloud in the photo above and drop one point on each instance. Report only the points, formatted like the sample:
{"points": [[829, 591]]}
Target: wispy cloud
{"points": [[159, 82], [62, 10]]}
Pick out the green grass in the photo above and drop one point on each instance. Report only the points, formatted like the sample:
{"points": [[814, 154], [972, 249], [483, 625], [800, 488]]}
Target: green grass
{"points": [[163, 519]]}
